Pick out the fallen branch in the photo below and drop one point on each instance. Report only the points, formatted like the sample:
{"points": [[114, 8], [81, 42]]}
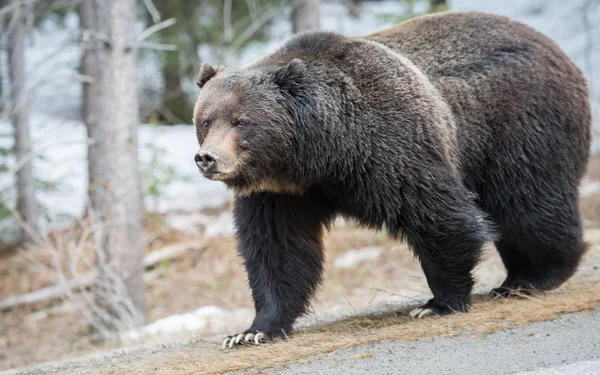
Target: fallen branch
{"points": [[44, 294], [62, 289], [170, 252]]}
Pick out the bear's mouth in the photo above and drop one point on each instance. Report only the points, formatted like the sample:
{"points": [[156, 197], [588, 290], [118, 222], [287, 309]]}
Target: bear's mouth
{"points": [[216, 176]]}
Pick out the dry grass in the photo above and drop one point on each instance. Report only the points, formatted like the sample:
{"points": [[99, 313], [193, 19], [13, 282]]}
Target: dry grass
{"points": [[486, 316]]}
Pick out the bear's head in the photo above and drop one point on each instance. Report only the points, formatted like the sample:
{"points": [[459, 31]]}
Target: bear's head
{"points": [[246, 121]]}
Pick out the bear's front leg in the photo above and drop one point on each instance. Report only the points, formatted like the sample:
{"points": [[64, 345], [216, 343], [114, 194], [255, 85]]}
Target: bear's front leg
{"points": [[279, 238], [447, 231]]}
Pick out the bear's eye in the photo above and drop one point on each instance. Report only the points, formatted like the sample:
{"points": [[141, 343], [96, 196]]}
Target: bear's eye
{"points": [[240, 123], [205, 123]]}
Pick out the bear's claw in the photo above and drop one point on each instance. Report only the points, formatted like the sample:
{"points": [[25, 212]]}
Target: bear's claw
{"points": [[244, 338], [421, 312]]}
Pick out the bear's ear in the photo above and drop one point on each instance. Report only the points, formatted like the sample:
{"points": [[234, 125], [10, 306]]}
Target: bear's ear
{"points": [[291, 76], [207, 71]]}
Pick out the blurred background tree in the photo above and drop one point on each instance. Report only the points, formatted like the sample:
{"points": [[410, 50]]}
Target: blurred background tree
{"points": [[27, 206], [116, 200]]}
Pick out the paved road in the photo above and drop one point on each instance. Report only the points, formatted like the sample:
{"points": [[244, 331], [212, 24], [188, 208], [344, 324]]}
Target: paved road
{"points": [[568, 345]]}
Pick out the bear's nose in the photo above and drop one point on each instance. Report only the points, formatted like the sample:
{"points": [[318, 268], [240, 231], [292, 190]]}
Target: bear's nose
{"points": [[206, 161]]}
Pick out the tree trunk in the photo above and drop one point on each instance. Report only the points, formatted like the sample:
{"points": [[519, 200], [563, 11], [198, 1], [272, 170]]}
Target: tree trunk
{"points": [[116, 192], [26, 202], [305, 15], [86, 24]]}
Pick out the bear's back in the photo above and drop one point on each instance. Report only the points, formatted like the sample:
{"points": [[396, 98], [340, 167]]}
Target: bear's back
{"points": [[469, 44]]}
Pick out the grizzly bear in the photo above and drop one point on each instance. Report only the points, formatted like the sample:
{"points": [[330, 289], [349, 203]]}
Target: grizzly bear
{"points": [[449, 131]]}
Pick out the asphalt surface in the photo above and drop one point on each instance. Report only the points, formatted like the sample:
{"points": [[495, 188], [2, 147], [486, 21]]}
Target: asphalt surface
{"points": [[568, 345]]}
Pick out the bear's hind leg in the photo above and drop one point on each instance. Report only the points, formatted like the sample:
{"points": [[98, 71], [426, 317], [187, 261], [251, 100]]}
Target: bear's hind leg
{"points": [[541, 251]]}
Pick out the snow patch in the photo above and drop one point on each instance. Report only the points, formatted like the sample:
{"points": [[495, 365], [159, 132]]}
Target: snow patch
{"points": [[589, 187], [353, 257]]}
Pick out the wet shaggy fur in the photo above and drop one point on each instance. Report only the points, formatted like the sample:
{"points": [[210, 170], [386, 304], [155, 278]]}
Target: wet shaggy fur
{"points": [[449, 131]]}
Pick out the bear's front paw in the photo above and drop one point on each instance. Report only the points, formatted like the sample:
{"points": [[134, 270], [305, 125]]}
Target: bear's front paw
{"points": [[248, 337], [244, 338], [421, 312]]}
